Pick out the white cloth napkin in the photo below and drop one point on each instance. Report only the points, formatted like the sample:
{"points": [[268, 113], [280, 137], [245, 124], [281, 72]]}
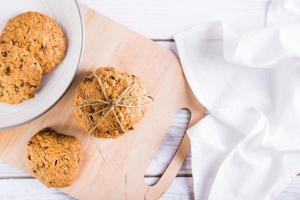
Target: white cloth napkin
{"points": [[248, 146]]}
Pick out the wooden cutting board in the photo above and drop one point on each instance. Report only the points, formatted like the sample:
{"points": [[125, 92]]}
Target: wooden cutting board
{"points": [[119, 172]]}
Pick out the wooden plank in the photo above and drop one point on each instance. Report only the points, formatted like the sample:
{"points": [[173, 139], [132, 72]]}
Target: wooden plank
{"points": [[32, 189], [180, 189], [8, 171], [160, 19], [171, 45], [162, 157], [26, 189], [291, 191]]}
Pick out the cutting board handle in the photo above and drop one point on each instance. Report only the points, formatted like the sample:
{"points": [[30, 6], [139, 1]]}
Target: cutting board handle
{"points": [[157, 190]]}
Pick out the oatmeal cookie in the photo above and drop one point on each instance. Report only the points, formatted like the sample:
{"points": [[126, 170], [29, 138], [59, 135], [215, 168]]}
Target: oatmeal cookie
{"points": [[20, 74], [39, 35], [54, 158]]}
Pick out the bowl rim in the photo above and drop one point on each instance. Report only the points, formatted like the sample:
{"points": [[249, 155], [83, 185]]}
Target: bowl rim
{"points": [[70, 83]]}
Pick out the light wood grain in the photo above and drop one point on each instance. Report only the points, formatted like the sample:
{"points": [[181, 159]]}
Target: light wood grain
{"points": [[291, 191], [160, 19], [180, 189], [31, 189]]}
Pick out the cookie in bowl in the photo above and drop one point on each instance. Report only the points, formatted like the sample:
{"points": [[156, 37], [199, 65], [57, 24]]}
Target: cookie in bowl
{"points": [[54, 158], [108, 103], [40, 35], [20, 74]]}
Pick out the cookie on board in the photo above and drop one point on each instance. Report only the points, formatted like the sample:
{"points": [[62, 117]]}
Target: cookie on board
{"points": [[54, 158], [38, 34], [108, 103], [20, 74]]}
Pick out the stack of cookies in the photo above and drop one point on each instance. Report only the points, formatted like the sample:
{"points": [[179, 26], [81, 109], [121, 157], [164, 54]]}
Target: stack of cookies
{"points": [[108, 103], [31, 45]]}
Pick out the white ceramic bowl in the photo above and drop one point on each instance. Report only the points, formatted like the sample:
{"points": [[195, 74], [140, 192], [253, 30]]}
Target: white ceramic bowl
{"points": [[54, 85]]}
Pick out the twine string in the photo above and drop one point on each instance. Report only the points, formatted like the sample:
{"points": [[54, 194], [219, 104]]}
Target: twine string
{"points": [[112, 105]]}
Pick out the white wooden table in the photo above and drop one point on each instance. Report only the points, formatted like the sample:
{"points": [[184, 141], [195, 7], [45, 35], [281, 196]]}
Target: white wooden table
{"points": [[158, 20]]}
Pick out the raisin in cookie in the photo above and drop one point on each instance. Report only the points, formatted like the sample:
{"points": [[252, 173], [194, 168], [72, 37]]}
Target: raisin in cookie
{"points": [[20, 74], [54, 158], [38, 34], [108, 103]]}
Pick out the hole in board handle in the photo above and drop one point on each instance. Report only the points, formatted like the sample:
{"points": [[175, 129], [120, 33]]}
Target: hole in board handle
{"points": [[168, 147]]}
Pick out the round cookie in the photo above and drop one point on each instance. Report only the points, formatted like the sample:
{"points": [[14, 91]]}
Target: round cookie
{"points": [[54, 158], [100, 108], [38, 34], [20, 74]]}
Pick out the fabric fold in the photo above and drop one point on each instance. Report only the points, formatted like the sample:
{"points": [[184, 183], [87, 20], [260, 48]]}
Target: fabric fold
{"points": [[248, 146]]}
